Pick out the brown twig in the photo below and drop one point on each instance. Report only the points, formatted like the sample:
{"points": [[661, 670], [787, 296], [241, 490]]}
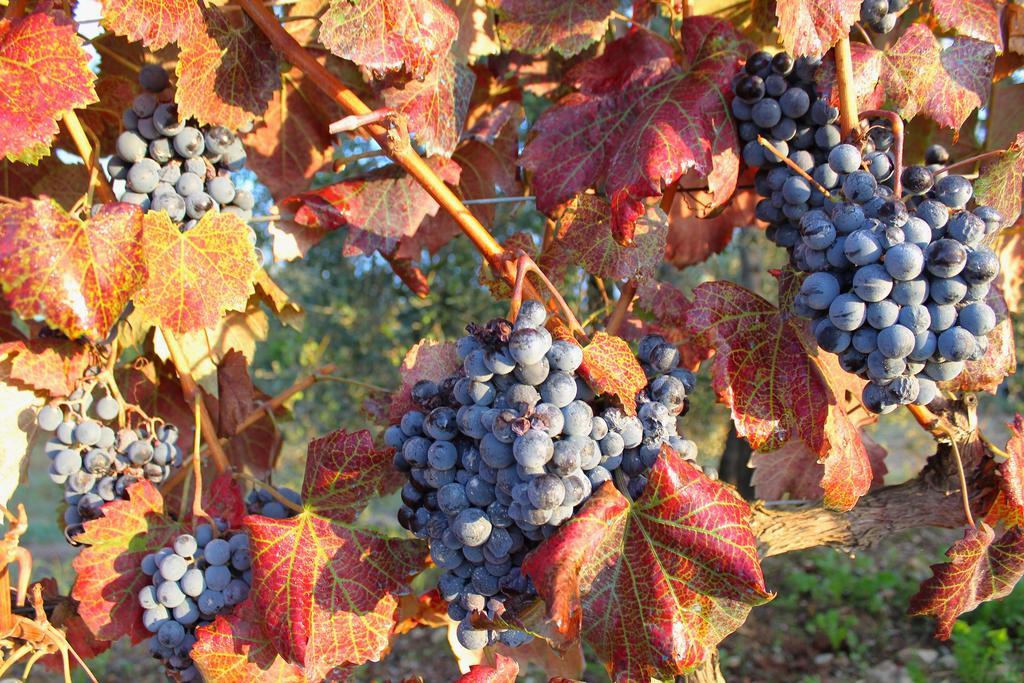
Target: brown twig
{"points": [[97, 179], [622, 306], [272, 404], [897, 140], [524, 265], [16, 9], [844, 80], [964, 495], [194, 396], [197, 470], [792, 166], [971, 160], [403, 153]]}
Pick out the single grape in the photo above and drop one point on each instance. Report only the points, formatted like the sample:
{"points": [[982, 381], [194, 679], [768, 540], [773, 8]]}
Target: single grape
{"points": [[131, 147], [210, 602], [49, 418], [155, 617], [956, 344], [173, 204], [945, 258], [217, 577], [153, 78], [766, 113], [221, 189], [977, 318], [954, 191], [965, 227], [217, 552], [198, 203], [168, 592], [189, 142]]}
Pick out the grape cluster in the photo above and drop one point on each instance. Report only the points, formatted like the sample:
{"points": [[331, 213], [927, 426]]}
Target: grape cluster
{"points": [[881, 15], [261, 502], [97, 464], [504, 451], [195, 579], [176, 166], [901, 294]]}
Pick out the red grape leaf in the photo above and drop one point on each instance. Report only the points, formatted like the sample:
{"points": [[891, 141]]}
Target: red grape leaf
{"points": [[1011, 471], [226, 74], [427, 360], [639, 121], [77, 275], [505, 670], [946, 85], [326, 589], [257, 447], [436, 105], [979, 569], [197, 274], [536, 26], [385, 203], [428, 610], [155, 22], [154, 387], [108, 568], [584, 238], [694, 234], [760, 368], [45, 73], [973, 18], [389, 35], [487, 168], [867, 70], [1003, 125], [1000, 359], [51, 177], [610, 367], [291, 143], [812, 27], [54, 366], [234, 649], [1000, 183], [343, 471], [686, 542]]}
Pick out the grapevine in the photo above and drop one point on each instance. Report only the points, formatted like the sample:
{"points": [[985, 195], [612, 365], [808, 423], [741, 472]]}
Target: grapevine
{"points": [[293, 434]]}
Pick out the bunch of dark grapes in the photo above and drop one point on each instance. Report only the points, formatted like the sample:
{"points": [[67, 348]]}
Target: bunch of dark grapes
{"points": [[503, 452], [194, 580], [899, 286], [96, 463], [261, 502], [176, 166], [881, 15]]}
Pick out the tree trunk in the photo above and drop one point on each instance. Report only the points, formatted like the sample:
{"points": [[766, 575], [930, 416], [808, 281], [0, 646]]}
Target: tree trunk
{"points": [[734, 466]]}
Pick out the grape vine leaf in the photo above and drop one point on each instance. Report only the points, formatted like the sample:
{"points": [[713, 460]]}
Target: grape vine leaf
{"points": [[428, 360], [973, 18], [1000, 182], [290, 143], [436, 106], [944, 84], [109, 573], [686, 541], [638, 121], [1000, 359], [811, 27], [45, 73], [325, 588], [584, 238], [51, 177], [429, 610], [380, 207], [694, 234], [235, 649], [78, 275], [103, 118], [257, 448], [1011, 471], [1011, 272], [18, 407], [980, 568], [65, 616], [226, 74], [505, 670], [153, 386], [390, 35], [536, 26], [610, 368], [197, 274], [867, 70], [155, 22], [777, 391], [53, 366], [487, 168]]}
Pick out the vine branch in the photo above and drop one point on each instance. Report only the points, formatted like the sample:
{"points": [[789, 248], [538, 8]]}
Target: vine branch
{"points": [[90, 156], [847, 96]]}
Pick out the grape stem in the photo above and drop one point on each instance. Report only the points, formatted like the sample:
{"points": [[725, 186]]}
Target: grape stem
{"points": [[97, 179], [399, 150], [193, 395], [524, 265], [622, 306], [963, 480], [793, 167], [897, 140], [847, 96], [197, 471], [971, 160]]}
